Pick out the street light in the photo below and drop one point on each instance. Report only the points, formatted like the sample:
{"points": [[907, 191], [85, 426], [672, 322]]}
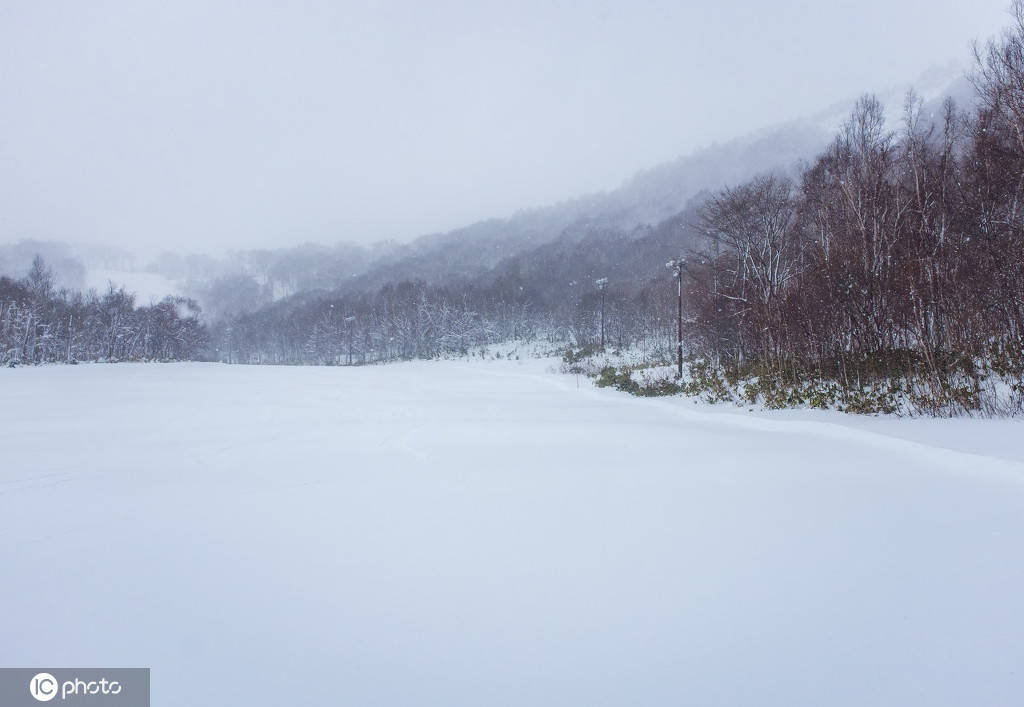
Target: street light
{"points": [[602, 284], [348, 328], [677, 267]]}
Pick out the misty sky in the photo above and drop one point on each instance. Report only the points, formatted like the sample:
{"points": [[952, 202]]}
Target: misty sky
{"points": [[204, 125]]}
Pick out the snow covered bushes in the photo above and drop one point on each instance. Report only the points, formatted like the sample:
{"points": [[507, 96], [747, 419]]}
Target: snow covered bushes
{"points": [[41, 324]]}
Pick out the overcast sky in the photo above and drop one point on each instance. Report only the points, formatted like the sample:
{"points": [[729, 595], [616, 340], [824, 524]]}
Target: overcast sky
{"points": [[204, 125]]}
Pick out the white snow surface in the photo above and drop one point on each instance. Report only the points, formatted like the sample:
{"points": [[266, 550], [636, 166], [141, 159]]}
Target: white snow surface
{"points": [[488, 533]]}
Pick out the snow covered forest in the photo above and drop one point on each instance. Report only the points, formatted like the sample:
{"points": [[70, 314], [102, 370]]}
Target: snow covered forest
{"points": [[888, 265], [40, 323]]}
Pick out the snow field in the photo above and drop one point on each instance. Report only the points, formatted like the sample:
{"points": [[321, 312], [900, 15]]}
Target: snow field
{"points": [[466, 533]]}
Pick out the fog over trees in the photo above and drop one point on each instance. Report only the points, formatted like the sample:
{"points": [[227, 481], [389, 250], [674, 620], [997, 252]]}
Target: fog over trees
{"points": [[886, 258], [892, 257]]}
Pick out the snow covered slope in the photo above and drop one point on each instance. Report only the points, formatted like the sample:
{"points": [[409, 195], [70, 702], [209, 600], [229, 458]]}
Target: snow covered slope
{"points": [[148, 287], [454, 533]]}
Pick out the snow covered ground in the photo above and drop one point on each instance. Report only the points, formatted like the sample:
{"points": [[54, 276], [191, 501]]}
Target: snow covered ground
{"points": [[488, 533]]}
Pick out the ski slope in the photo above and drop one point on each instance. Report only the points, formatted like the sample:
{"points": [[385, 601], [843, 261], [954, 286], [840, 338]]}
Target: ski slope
{"points": [[491, 533]]}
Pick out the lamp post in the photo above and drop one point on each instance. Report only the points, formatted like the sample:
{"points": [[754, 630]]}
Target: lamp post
{"points": [[602, 285], [677, 266], [348, 328]]}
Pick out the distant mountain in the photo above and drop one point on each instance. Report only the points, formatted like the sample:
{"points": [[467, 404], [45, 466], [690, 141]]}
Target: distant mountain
{"points": [[643, 201], [246, 280]]}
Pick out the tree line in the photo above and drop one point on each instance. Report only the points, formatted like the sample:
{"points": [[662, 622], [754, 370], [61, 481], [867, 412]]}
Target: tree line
{"points": [[40, 323], [893, 256], [402, 321], [415, 319]]}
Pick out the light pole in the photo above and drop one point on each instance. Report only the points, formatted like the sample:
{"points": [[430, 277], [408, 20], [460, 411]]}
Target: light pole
{"points": [[348, 328], [677, 266], [602, 284]]}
